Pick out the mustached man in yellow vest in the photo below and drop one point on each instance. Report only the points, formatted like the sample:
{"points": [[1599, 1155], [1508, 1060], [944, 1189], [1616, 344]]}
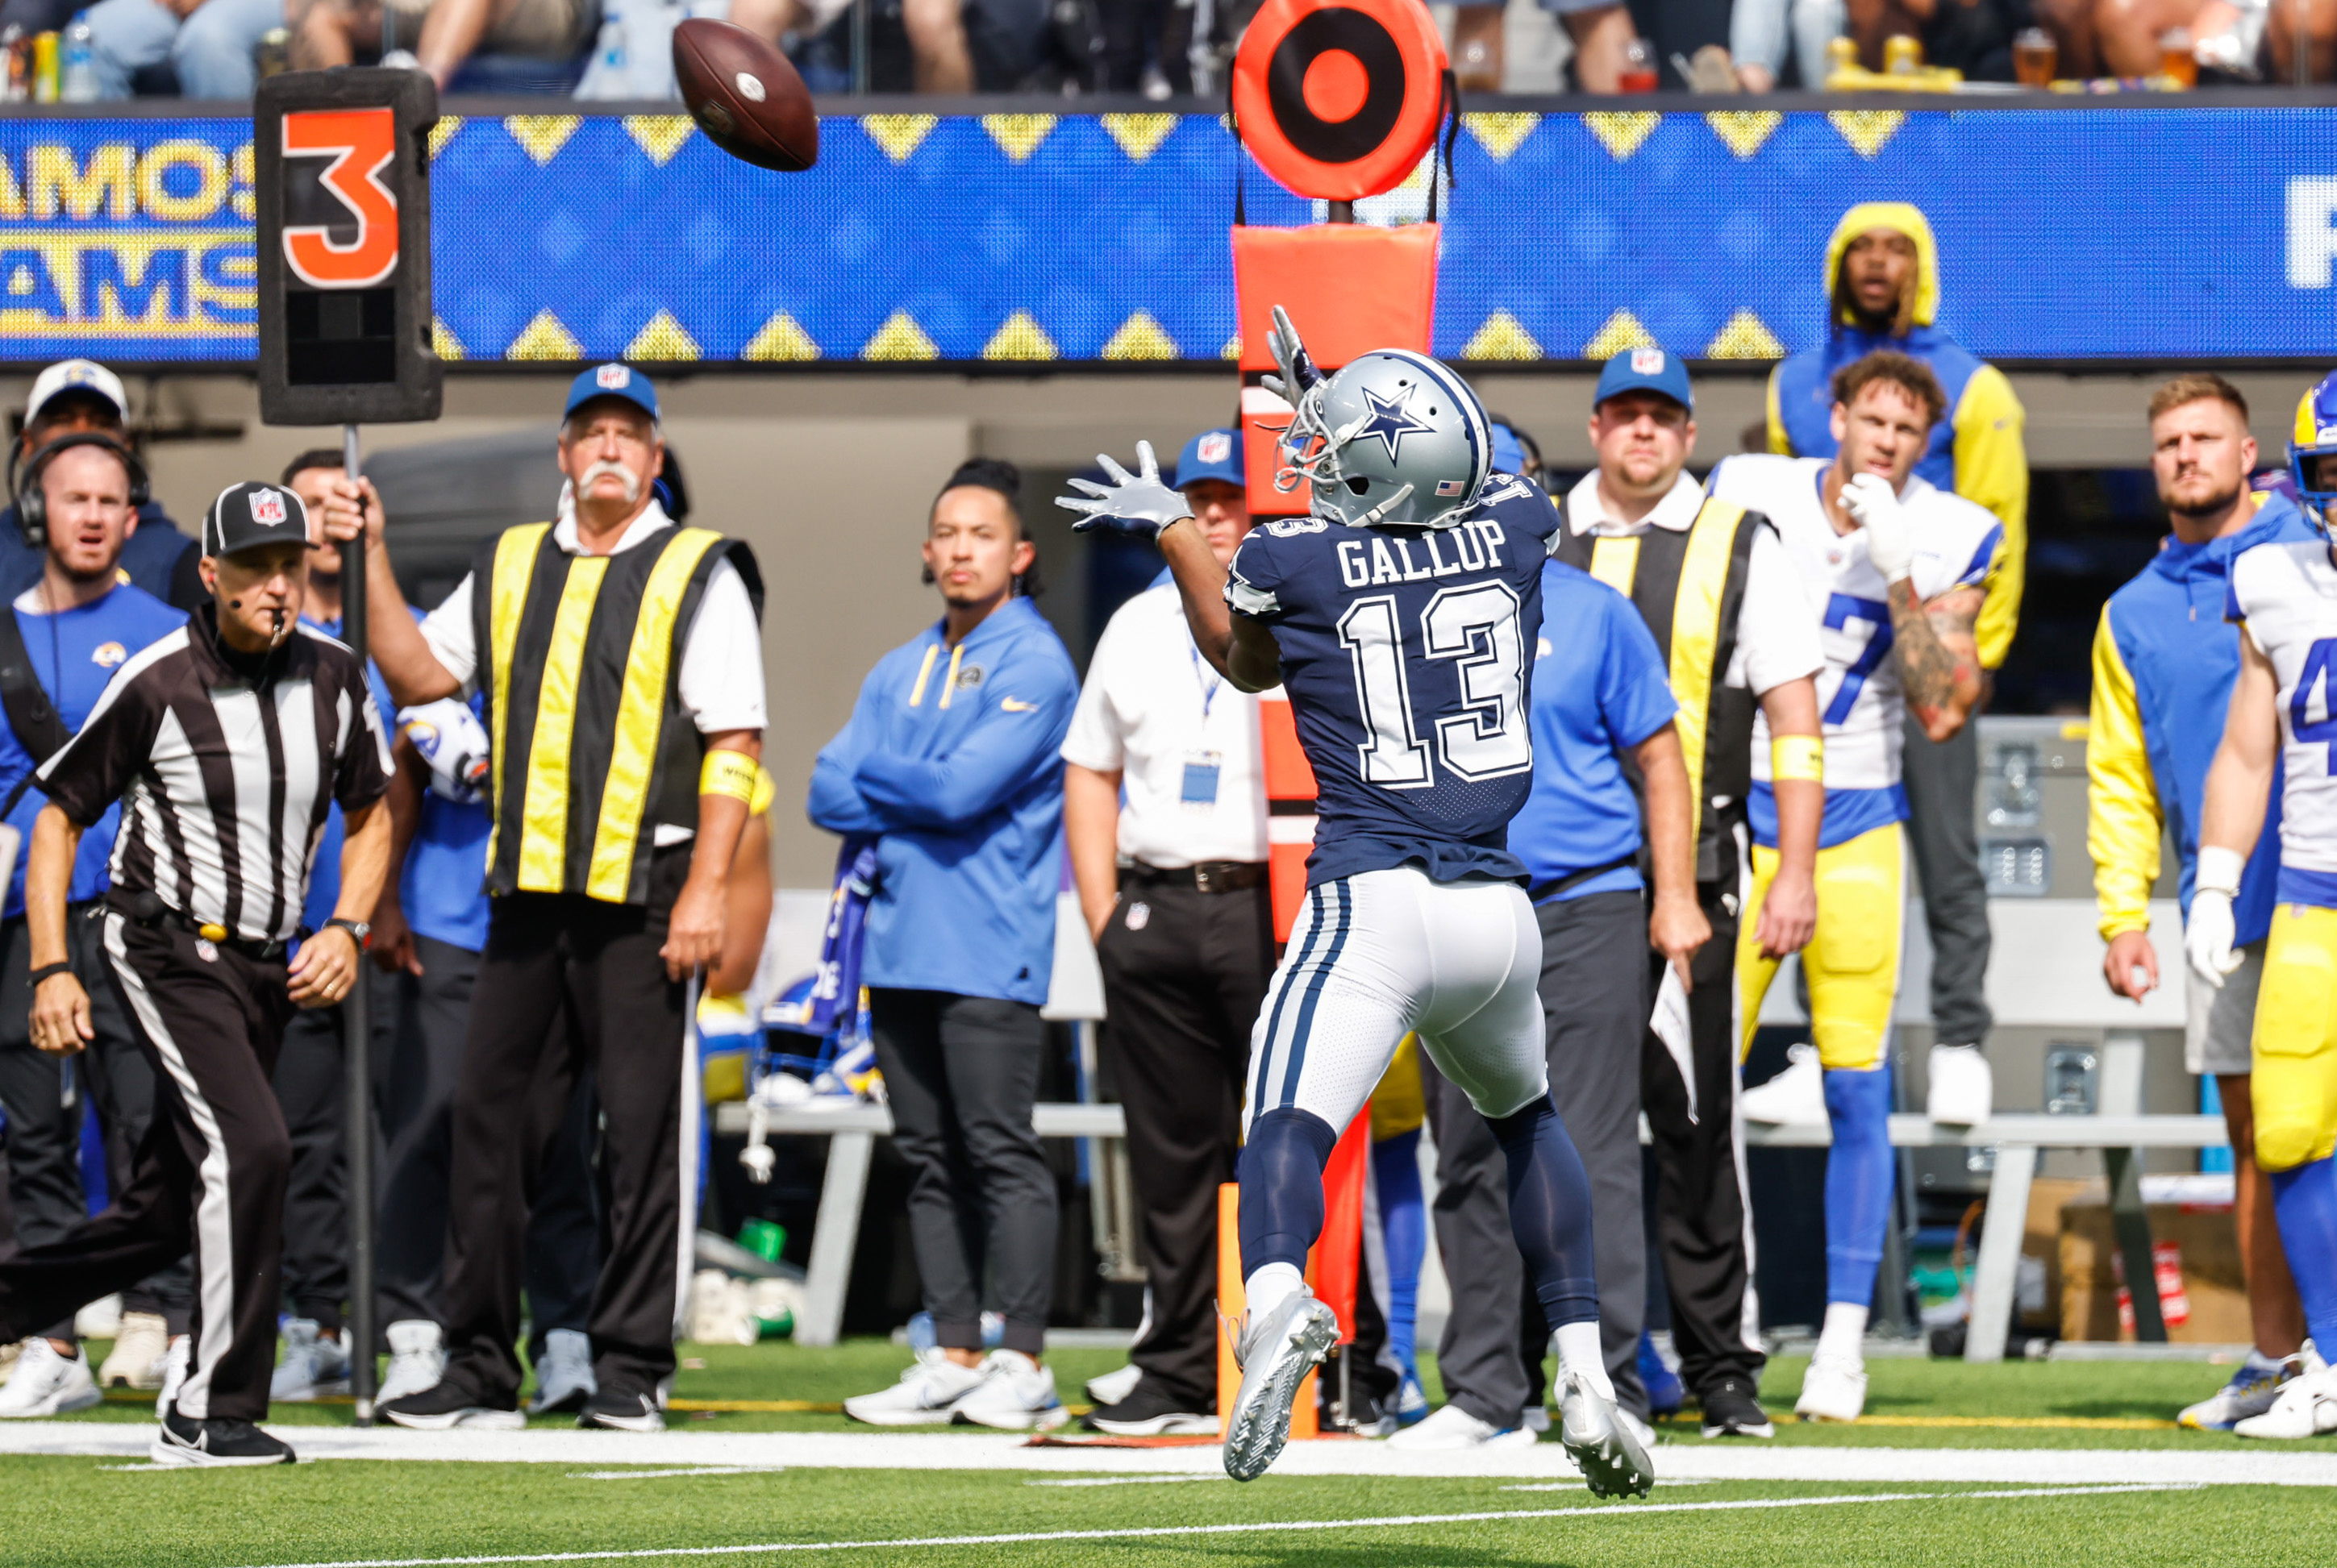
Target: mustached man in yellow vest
{"points": [[621, 656]]}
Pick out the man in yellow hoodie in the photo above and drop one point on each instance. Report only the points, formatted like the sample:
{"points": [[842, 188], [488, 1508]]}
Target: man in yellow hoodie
{"points": [[1882, 279]]}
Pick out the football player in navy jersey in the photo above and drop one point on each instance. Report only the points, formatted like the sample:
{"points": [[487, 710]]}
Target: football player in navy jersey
{"points": [[1398, 615]]}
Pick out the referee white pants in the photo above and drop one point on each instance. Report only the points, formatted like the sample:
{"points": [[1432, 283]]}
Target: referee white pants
{"points": [[1375, 955]]}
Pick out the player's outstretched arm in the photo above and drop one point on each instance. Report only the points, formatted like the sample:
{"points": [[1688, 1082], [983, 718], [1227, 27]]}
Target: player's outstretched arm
{"points": [[1938, 654], [2239, 784]]}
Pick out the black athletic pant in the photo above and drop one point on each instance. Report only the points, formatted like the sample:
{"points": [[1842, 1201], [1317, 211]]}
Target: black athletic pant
{"points": [[590, 973], [1595, 1008], [1699, 1197], [43, 1097], [1182, 983], [1943, 834], [209, 1171], [961, 1074]]}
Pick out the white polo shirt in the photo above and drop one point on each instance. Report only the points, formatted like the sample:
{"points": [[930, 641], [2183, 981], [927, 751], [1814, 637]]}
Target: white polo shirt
{"points": [[1776, 630], [720, 683], [1184, 741]]}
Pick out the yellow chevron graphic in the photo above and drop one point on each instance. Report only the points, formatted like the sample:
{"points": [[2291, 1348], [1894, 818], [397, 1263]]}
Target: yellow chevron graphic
{"points": [[443, 131], [1500, 135], [900, 338], [1140, 338], [1621, 132], [898, 135], [1501, 337], [1744, 337], [1232, 350], [1019, 337], [1744, 130], [1139, 135], [1018, 135], [542, 135], [544, 338], [659, 135], [780, 338], [442, 343], [1622, 331], [1867, 128], [662, 338]]}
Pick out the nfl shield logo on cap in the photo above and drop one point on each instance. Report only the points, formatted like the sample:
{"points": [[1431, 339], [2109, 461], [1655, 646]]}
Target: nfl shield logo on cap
{"points": [[1217, 446], [268, 508], [1647, 362], [611, 377]]}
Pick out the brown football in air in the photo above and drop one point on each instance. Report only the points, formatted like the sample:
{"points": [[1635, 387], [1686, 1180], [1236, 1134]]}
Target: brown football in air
{"points": [[745, 96]]}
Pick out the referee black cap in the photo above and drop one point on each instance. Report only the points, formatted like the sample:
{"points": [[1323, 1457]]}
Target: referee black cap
{"points": [[254, 513]]}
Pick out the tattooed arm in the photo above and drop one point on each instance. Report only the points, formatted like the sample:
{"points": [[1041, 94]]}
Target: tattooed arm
{"points": [[1938, 656]]}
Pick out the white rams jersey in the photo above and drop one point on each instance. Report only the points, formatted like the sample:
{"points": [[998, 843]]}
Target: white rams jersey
{"points": [[2286, 594], [1858, 694]]}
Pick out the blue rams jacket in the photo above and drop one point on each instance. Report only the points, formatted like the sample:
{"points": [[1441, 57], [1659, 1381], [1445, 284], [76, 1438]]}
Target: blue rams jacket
{"points": [[2165, 661], [951, 758]]}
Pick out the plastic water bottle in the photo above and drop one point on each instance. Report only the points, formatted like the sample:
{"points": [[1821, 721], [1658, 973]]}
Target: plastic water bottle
{"points": [[77, 63]]}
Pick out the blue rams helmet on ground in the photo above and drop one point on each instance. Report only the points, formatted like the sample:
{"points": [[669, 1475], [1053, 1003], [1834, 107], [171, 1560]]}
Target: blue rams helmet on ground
{"points": [[1394, 437], [2314, 437]]}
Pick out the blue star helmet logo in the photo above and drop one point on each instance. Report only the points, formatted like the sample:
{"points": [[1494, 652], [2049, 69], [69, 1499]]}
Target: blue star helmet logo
{"points": [[1391, 422]]}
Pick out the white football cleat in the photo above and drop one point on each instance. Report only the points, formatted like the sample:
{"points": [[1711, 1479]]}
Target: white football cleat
{"points": [[1794, 1098], [1275, 1354], [1114, 1386], [2254, 1390], [313, 1365], [46, 1383], [417, 1359], [926, 1395], [1016, 1394], [140, 1350], [1614, 1462], [1452, 1428], [1963, 1090], [2306, 1406], [1834, 1388]]}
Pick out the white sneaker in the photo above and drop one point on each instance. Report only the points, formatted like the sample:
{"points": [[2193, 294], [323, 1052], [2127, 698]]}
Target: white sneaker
{"points": [[1794, 1098], [926, 1395], [1113, 1387], [1963, 1089], [176, 1360], [138, 1354], [1016, 1395], [1452, 1428], [312, 1365], [2254, 1390], [1834, 1388], [1613, 1460], [46, 1384], [1537, 1419], [417, 1359], [563, 1379], [2306, 1406], [1275, 1353]]}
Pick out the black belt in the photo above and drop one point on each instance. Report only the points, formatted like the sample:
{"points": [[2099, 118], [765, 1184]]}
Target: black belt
{"points": [[1542, 891], [1208, 877], [147, 910]]}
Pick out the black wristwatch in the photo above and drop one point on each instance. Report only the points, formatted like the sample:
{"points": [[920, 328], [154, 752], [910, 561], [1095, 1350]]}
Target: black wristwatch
{"points": [[357, 929]]}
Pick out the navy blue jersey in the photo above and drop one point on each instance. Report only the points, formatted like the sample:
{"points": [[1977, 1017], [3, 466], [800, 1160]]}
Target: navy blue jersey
{"points": [[1406, 654]]}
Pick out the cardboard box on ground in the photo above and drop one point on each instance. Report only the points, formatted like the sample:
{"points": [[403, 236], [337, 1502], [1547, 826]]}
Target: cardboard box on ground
{"points": [[2202, 1294]]}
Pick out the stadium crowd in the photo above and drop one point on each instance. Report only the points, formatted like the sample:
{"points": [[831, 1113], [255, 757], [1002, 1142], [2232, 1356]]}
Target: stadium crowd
{"points": [[1756, 709], [215, 49]]}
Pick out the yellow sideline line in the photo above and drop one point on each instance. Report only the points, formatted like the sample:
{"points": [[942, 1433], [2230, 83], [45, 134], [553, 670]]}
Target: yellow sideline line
{"points": [[2044, 1423]]}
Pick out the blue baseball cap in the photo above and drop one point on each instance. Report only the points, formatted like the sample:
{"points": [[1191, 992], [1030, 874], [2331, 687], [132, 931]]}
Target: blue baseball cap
{"points": [[612, 381], [1212, 454], [1509, 454], [1645, 370]]}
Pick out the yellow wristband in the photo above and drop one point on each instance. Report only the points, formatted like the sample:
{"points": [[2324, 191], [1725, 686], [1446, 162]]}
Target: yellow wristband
{"points": [[728, 772], [1797, 759], [767, 790]]}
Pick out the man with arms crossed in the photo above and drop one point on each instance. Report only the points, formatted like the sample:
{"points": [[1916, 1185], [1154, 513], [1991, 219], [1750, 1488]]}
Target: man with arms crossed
{"points": [[1895, 570]]}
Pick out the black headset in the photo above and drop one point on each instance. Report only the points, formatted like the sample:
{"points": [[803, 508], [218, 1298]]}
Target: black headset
{"points": [[32, 503]]}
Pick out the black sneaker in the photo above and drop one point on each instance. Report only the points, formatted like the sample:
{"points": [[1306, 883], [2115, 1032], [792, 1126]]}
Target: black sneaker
{"points": [[1730, 1411], [620, 1412], [184, 1442], [1152, 1411], [447, 1404]]}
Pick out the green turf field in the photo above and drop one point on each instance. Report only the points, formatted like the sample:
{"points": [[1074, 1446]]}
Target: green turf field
{"points": [[85, 1511]]}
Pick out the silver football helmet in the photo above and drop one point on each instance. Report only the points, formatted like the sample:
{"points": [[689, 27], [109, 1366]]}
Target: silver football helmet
{"points": [[1393, 437]]}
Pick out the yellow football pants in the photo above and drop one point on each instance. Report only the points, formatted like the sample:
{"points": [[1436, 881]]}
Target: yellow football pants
{"points": [[2293, 1088], [1853, 962]]}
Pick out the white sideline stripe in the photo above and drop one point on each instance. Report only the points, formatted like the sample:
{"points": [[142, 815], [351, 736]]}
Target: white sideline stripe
{"points": [[2272, 1465], [1381, 1521], [1130, 1480], [683, 1470]]}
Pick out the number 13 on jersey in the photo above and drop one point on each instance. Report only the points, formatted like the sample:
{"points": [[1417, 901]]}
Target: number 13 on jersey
{"points": [[1477, 627]]}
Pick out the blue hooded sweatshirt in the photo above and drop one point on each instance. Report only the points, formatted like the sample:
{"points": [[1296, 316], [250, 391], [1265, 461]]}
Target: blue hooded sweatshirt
{"points": [[951, 759]]}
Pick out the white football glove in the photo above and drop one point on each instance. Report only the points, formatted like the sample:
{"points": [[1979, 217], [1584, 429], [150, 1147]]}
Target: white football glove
{"points": [[1890, 541], [1135, 502], [1298, 376], [454, 743], [2207, 935]]}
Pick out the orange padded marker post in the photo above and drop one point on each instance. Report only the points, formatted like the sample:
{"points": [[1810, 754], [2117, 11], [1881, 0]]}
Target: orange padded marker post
{"points": [[1337, 1266]]}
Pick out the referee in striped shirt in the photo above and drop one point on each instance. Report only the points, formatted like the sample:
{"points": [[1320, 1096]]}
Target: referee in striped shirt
{"points": [[225, 741]]}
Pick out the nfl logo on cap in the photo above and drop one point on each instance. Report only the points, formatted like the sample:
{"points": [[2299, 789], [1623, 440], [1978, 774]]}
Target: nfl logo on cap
{"points": [[611, 377], [1647, 362], [268, 508], [1217, 446]]}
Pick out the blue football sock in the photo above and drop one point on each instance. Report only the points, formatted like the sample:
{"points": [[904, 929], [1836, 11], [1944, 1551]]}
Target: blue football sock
{"points": [[1281, 1176], [2304, 1201], [1403, 1234], [1550, 1212], [1858, 1180]]}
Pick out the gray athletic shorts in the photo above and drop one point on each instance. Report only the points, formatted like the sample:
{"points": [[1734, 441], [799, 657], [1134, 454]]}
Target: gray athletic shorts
{"points": [[2215, 1038]]}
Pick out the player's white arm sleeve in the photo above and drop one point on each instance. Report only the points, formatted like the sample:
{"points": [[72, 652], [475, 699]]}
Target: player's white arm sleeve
{"points": [[721, 681], [1776, 628]]}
